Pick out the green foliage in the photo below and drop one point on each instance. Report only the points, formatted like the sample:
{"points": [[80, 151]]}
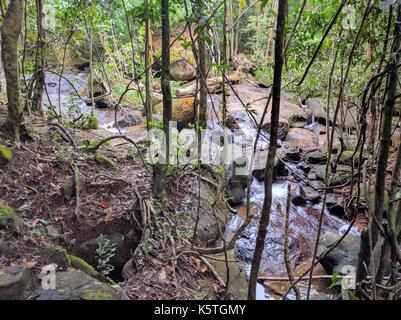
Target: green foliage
{"points": [[104, 253]]}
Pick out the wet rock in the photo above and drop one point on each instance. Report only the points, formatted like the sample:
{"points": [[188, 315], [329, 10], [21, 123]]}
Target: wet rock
{"points": [[14, 282], [104, 102], [232, 123], [298, 196], [283, 128], [302, 138], [259, 169], [130, 120], [293, 113], [236, 193], [243, 64], [345, 254], [78, 285], [181, 70], [317, 107], [291, 151], [312, 195], [316, 157], [336, 205]]}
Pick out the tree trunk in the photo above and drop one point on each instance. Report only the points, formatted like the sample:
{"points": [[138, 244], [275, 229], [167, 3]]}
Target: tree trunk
{"points": [[202, 65], [382, 162], [10, 33], [40, 59], [148, 71], [275, 116], [160, 170]]}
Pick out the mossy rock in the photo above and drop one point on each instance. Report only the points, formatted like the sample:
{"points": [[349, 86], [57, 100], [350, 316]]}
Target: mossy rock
{"points": [[105, 161], [9, 218], [82, 265], [5, 154], [55, 254]]}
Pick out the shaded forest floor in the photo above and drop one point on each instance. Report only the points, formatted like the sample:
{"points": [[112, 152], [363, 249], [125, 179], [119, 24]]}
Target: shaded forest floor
{"points": [[61, 222]]}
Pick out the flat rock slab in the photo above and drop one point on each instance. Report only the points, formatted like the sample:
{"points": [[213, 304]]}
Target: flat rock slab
{"points": [[14, 282], [78, 285]]}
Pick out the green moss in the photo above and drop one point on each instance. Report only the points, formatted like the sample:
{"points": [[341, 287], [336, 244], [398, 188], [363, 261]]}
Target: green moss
{"points": [[82, 265], [103, 160], [5, 154], [96, 295], [348, 156], [8, 217]]}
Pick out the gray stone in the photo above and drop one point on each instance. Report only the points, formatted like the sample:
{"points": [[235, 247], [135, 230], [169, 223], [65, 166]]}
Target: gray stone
{"points": [[345, 254], [78, 285], [14, 283]]}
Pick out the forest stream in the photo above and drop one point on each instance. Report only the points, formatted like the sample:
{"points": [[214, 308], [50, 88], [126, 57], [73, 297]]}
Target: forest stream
{"points": [[304, 218]]}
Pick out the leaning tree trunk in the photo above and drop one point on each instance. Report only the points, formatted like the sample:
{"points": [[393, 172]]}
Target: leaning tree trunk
{"points": [[40, 59], [275, 116], [10, 33], [160, 169], [382, 162]]}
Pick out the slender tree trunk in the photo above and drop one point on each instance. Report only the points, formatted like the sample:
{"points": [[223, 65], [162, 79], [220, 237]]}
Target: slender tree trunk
{"points": [[160, 170], [202, 65], [382, 163], [92, 75], [275, 115], [148, 70], [40, 59], [10, 33]]}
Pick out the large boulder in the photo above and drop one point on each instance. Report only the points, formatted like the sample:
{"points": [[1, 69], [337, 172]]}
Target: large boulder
{"points": [[283, 127], [183, 112], [318, 106], [77, 285], [131, 119], [14, 283], [345, 254], [303, 138], [181, 70], [243, 64]]}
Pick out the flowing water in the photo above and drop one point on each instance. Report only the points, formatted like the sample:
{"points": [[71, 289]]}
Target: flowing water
{"points": [[303, 219]]}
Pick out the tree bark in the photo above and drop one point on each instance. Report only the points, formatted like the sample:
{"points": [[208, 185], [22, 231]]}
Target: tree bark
{"points": [[160, 169], [40, 59], [382, 163], [202, 65], [148, 71], [10, 33], [275, 116]]}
